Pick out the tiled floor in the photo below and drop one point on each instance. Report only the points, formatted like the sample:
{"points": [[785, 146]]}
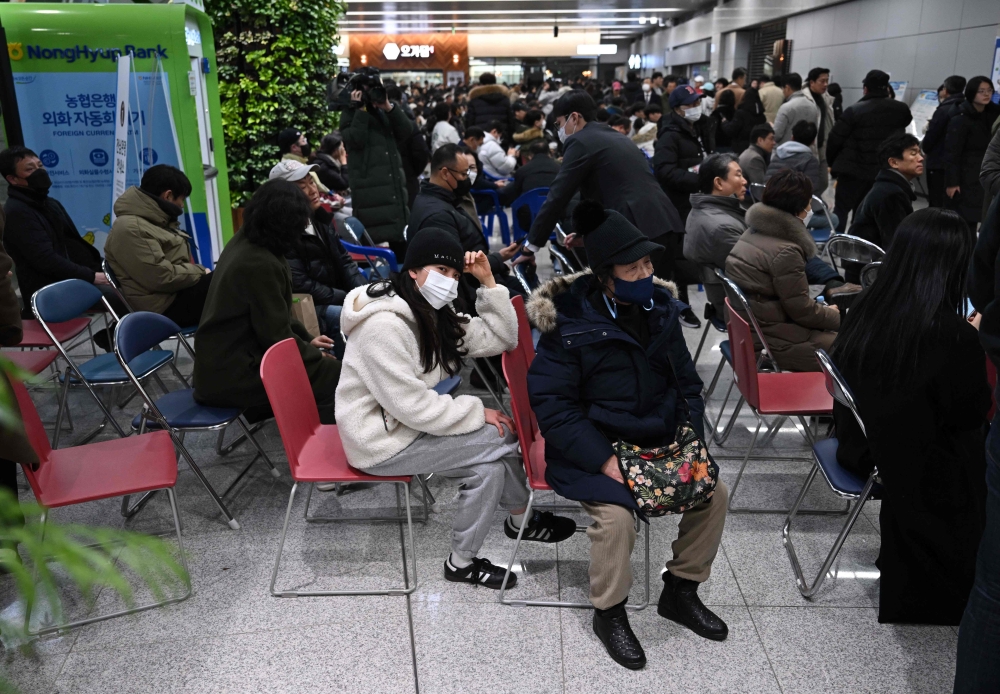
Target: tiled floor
{"points": [[231, 636]]}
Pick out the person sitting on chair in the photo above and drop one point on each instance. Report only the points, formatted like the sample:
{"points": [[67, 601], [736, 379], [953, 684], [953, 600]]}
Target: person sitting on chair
{"points": [[612, 364], [404, 337], [249, 306], [149, 254]]}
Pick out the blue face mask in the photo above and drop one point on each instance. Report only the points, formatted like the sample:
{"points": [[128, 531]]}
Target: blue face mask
{"points": [[638, 292]]}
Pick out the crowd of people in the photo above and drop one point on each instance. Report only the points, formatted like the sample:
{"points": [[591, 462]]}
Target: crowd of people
{"points": [[663, 182]]}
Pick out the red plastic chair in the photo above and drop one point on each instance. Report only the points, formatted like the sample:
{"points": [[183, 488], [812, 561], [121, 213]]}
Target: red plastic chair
{"points": [[515, 369], [785, 394], [525, 341], [34, 333], [33, 361], [103, 470], [316, 454]]}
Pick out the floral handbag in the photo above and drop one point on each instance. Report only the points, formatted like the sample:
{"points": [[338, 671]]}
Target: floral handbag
{"points": [[669, 479]]}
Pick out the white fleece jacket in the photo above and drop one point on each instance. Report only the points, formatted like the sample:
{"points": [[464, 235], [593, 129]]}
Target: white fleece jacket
{"points": [[384, 398]]}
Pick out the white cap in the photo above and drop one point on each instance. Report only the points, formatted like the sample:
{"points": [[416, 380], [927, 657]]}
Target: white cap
{"points": [[699, 78], [290, 170]]}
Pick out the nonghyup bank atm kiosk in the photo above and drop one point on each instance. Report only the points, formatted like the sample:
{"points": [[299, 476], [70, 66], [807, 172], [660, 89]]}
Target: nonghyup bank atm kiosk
{"points": [[64, 63]]}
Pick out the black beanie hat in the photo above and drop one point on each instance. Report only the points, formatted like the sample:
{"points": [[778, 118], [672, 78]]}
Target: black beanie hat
{"points": [[432, 246], [608, 237]]}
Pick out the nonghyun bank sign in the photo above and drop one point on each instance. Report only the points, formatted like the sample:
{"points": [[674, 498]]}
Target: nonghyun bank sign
{"points": [[17, 51]]}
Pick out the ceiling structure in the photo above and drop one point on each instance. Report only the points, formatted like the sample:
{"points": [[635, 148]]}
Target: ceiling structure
{"points": [[615, 19]]}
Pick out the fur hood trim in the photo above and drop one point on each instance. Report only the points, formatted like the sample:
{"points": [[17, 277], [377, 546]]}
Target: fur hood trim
{"points": [[770, 221], [646, 134], [487, 89], [541, 307], [529, 135]]}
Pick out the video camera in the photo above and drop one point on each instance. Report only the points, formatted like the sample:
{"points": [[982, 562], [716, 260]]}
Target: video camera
{"points": [[367, 81]]}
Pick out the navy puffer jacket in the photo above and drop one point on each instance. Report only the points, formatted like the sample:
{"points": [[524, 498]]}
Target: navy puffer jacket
{"points": [[591, 383]]}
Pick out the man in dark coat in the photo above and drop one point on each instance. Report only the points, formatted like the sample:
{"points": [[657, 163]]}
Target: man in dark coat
{"points": [[632, 89], [40, 236], [601, 165], [373, 137], [490, 102], [852, 149], [538, 171], [933, 142], [607, 370], [891, 198]]}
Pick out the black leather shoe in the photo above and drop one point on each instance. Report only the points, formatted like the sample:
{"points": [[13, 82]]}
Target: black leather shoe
{"points": [[612, 628], [679, 602]]}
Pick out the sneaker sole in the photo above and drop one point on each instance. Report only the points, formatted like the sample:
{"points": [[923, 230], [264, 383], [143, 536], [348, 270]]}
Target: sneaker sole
{"points": [[630, 666], [511, 582], [663, 612]]}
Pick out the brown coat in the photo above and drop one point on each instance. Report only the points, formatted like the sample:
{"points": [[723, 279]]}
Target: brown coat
{"points": [[769, 264]]}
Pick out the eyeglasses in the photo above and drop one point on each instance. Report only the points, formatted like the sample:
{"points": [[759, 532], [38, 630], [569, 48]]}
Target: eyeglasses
{"points": [[985, 92], [467, 172]]}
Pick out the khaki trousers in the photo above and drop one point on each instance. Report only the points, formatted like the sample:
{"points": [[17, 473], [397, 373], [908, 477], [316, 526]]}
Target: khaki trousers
{"points": [[612, 538]]}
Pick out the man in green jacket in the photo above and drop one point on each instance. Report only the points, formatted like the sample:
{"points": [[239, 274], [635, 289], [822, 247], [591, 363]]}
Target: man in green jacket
{"points": [[150, 255], [372, 134]]}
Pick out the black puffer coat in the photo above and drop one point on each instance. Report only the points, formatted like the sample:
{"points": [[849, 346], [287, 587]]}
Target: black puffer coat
{"points": [[680, 146], [591, 382], [965, 146], [378, 184], [852, 149], [937, 130], [322, 267], [487, 103], [331, 172]]}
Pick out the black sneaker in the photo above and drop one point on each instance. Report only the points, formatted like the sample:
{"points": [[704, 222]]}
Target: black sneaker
{"points": [[689, 320], [481, 572], [543, 527]]}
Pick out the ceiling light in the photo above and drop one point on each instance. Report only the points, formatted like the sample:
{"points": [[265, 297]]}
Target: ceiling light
{"points": [[390, 13], [450, 22], [596, 49]]}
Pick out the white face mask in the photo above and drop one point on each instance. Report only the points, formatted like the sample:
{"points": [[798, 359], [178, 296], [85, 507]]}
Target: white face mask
{"points": [[809, 216], [693, 113], [472, 175], [438, 289], [646, 87], [563, 135]]}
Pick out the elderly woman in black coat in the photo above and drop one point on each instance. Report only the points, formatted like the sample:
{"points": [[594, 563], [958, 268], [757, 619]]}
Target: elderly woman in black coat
{"points": [[612, 364]]}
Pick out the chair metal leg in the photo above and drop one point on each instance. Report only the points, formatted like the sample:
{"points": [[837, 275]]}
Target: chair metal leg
{"points": [[238, 441], [553, 603], [701, 343], [720, 440], [63, 407], [807, 590], [496, 398], [407, 589], [715, 380], [133, 610], [182, 449], [159, 382], [253, 441]]}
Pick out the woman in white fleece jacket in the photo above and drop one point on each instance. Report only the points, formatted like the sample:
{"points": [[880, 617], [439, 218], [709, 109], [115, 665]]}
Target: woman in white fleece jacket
{"points": [[404, 337]]}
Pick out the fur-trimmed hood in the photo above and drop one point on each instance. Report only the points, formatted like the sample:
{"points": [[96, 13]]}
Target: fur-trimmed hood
{"points": [[492, 92], [529, 135], [541, 307], [770, 221]]}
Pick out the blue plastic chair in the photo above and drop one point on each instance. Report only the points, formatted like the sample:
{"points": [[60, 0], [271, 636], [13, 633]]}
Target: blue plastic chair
{"points": [[490, 177], [373, 254], [358, 230], [533, 199], [176, 412], [69, 299], [495, 211], [843, 483]]}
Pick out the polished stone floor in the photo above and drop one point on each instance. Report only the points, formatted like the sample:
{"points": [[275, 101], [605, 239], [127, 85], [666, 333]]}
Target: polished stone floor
{"points": [[232, 636]]}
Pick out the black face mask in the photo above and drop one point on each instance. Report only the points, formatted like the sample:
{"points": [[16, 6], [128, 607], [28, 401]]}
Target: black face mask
{"points": [[175, 211], [39, 181], [306, 150], [463, 187]]}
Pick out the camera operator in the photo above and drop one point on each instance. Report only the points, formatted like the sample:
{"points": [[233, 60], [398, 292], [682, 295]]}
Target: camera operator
{"points": [[374, 129]]}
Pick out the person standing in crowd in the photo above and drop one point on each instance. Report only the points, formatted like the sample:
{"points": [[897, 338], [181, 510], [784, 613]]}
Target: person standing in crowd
{"points": [[748, 116], [989, 175], [852, 149], [757, 157], [769, 264], [714, 225], [918, 376], [331, 164], [41, 237], [722, 115], [439, 205], [657, 81], [318, 261], [772, 96], [404, 337], [607, 168], [798, 154], [632, 379], [798, 106], [934, 138], [977, 669], [968, 137], [737, 86], [890, 200], [817, 84], [837, 94], [443, 132], [413, 150], [374, 135], [150, 255], [496, 162], [632, 89], [489, 102], [249, 306], [648, 96], [293, 144]]}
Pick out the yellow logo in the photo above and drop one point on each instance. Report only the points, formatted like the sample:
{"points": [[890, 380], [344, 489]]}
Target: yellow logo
{"points": [[15, 51]]}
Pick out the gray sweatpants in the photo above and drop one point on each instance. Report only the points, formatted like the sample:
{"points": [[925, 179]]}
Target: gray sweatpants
{"points": [[488, 467]]}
